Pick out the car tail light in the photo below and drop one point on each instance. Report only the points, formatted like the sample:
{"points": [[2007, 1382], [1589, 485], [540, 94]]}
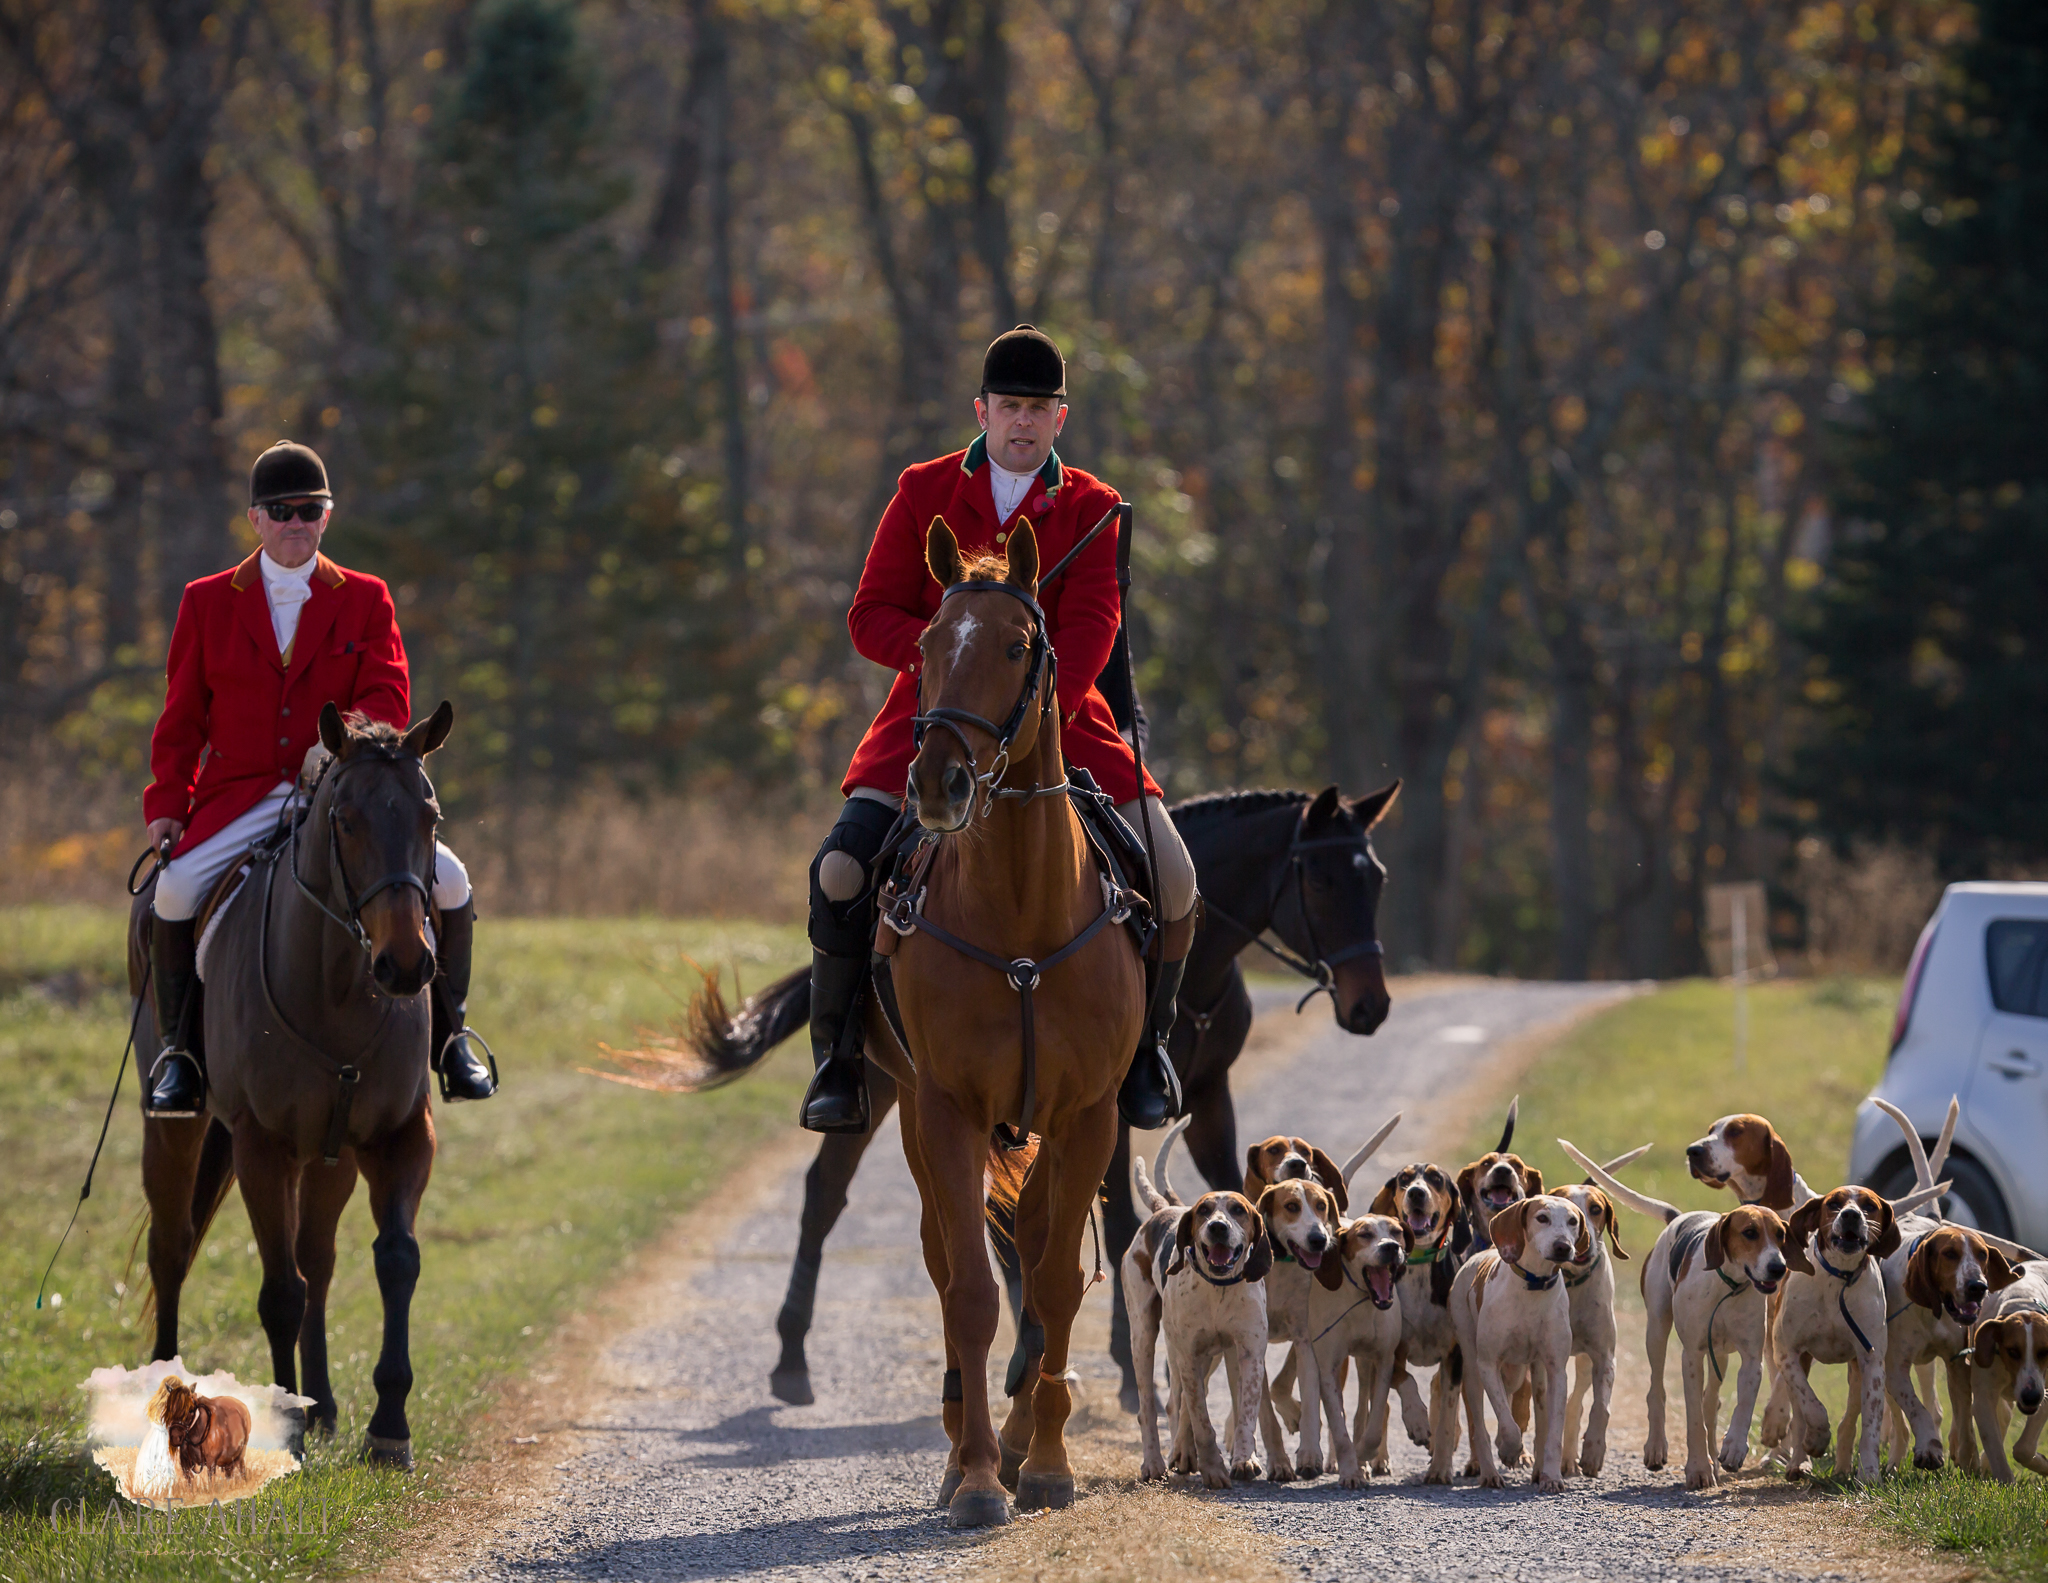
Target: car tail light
{"points": [[1911, 991]]}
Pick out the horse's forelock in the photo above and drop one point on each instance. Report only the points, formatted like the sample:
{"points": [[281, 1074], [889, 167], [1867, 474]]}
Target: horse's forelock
{"points": [[985, 568]]}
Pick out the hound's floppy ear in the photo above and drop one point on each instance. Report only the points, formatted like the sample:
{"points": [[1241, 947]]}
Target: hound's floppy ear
{"points": [[1183, 1243], [1461, 1236], [1468, 1181], [1260, 1259], [334, 732], [1714, 1249], [1532, 1180], [1920, 1288], [1255, 1181], [1320, 812], [1024, 559], [1330, 1273], [1798, 1228], [1778, 1182], [942, 553], [1370, 809], [1985, 1341], [1383, 1202], [431, 732], [1613, 1231], [1511, 1231], [1588, 1238], [1998, 1269], [1325, 1171], [1888, 1238]]}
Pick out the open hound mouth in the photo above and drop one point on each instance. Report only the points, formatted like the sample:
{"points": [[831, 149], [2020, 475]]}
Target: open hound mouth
{"points": [[1422, 1225], [1379, 1286], [1762, 1285], [1219, 1258], [1498, 1197], [1306, 1259], [1965, 1313], [1701, 1173]]}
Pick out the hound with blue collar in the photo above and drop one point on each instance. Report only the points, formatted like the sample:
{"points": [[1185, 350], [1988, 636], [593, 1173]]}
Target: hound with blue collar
{"points": [[1513, 1318]]}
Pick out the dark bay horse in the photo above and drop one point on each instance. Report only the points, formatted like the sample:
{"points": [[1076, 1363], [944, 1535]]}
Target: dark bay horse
{"points": [[1297, 864], [316, 1033]]}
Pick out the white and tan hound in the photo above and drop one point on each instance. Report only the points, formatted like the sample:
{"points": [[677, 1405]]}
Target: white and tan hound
{"points": [[1513, 1319], [1356, 1320], [1303, 1222], [1589, 1280], [1744, 1154], [1197, 1274], [1708, 1277], [1497, 1180], [2009, 1359]]}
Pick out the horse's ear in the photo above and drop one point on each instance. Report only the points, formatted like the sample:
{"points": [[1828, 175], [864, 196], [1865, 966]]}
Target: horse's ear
{"points": [[431, 732], [1370, 809], [333, 729], [1319, 813], [1024, 559], [942, 553]]}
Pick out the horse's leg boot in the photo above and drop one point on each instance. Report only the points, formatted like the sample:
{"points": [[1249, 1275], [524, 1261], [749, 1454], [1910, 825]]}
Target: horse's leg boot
{"points": [[837, 1100], [464, 1074], [1151, 1096], [177, 1082]]}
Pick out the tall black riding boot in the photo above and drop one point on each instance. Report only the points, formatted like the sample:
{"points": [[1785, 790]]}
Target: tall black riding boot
{"points": [[464, 1074], [837, 1100], [177, 1081], [1151, 1096]]}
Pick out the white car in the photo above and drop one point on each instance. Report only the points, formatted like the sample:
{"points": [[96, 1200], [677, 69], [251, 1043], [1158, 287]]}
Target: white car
{"points": [[1973, 1023]]}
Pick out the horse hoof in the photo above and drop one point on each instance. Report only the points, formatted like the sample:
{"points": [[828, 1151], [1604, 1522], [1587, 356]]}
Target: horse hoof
{"points": [[949, 1486], [978, 1509], [1044, 1491], [383, 1452], [1013, 1464], [792, 1386]]}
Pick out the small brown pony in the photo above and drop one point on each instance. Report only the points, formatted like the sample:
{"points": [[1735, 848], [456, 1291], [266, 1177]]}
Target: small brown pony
{"points": [[316, 1033], [1013, 878]]}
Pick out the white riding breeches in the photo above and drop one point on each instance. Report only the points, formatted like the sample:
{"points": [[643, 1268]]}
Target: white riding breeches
{"points": [[1176, 868], [184, 882]]}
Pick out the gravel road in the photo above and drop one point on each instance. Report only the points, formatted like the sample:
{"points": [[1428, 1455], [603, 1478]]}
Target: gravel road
{"points": [[683, 1466]]}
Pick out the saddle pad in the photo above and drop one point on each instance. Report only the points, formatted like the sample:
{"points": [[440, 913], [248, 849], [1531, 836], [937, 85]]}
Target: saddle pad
{"points": [[217, 902]]}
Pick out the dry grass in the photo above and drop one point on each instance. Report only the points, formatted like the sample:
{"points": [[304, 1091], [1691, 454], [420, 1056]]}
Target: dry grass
{"points": [[604, 853], [1863, 913]]}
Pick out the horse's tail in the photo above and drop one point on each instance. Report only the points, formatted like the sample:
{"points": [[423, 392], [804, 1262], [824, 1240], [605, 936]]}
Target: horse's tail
{"points": [[1004, 1178], [717, 1045]]}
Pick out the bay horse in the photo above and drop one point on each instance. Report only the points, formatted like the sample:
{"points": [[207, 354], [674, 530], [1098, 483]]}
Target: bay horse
{"points": [[1298, 864], [1021, 1000], [316, 1034]]}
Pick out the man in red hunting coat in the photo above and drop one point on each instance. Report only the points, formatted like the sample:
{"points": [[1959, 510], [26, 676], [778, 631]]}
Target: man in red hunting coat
{"points": [[1009, 476], [257, 650]]}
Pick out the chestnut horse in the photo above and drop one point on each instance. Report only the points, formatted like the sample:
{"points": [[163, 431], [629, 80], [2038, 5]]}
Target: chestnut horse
{"points": [[1040, 1046], [316, 1036]]}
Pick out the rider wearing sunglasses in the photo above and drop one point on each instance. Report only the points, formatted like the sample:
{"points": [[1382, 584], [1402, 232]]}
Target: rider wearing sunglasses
{"points": [[1010, 475], [256, 652]]}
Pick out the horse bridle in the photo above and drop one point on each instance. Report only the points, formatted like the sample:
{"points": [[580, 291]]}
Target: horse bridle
{"points": [[1319, 965], [353, 922], [1039, 683]]}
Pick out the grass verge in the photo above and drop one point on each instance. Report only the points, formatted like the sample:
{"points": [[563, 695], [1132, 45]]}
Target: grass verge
{"points": [[1660, 1068], [537, 1199]]}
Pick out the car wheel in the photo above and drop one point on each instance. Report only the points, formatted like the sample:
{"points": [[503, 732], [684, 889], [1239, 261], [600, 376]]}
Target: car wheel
{"points": [[1973, 1199]]}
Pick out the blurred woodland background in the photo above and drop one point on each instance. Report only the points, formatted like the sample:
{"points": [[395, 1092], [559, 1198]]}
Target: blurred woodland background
{"points": [[1620, 418]]}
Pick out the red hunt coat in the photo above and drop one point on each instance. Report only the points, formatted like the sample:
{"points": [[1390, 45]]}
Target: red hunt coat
{"points": [[238, 717], [898, 596]]}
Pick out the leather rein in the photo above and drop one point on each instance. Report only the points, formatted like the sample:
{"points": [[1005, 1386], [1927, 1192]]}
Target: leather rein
{"points": [[1319, 964], [905, 915]]}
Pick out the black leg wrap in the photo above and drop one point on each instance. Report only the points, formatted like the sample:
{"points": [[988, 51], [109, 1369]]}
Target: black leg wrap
{"points": [[1030, 1345], [949, 1389]]}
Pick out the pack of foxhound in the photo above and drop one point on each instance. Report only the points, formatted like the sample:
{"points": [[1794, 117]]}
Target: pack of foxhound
{"points": [[1501, 1285]]}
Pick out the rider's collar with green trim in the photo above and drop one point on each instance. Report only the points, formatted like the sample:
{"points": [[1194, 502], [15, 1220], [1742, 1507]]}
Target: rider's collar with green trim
{"points": [[1050, 476]]}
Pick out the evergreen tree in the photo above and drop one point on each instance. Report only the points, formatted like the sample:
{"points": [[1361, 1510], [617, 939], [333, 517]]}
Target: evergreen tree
{"points": [[1930, 644], [567, 568]]}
